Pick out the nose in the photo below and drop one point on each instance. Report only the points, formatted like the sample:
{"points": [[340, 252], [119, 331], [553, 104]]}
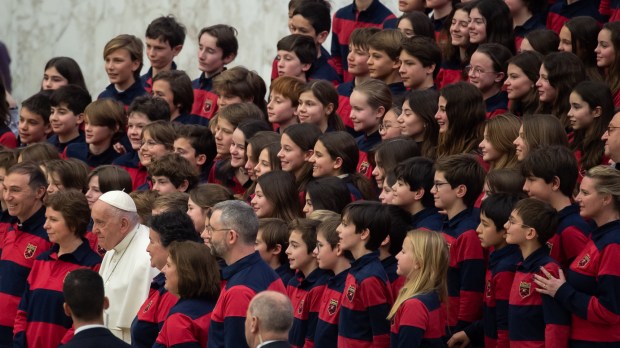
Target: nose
{"points": [[280, 154]]}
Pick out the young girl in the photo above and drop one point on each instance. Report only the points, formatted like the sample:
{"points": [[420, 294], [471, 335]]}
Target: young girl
{"points": [[328, 193], [607, 58], [487, 71], [201, 199], [157, 140], [591, 110], [389, 127], [336, 154], [418, 317], [60, 71], [238, 147], [66, 174], [460, 116], [268, 159], [271, 243], [388, 154], [276, 197], [387, 194], [369, 102], [175, 87], [283, 101], [496, 146], [578, 36], [106, 178], [417, 120], [416, 23], [104, 124], [523, 72], [239, 85], [255, 145], [456, 49], [536, 131], [318, 102], [490, 21], [543, 41], [297, 145], [559, 73]]}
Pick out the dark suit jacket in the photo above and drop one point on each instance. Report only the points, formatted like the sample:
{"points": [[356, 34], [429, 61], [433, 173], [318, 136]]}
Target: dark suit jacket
{"points": [[277, 344], [97, 337]]}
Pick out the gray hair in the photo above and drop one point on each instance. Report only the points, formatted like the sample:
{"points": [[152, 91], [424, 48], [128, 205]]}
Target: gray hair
{"points": [[131, 216], [239, 216], [273, 310]]}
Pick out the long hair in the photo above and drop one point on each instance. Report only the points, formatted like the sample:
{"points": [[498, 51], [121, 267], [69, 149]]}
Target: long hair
{"points": [[69, 69], [280, 190], [541, 130], [529, 62], [325, 92], [430, 251], [424, 105], [498, 22], [613, 74], [501, 131], [584, 38]]}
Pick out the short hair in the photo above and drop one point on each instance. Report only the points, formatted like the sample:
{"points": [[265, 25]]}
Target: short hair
{"points": [[360, 36], [112, 178], [388, 41], [197, 270], [275, 231], [155, 109], [74, 97], [498, 54], [289, 87], [200, 138], [144, 203], [131, 44], [207, 195], [73, 207], [173, 201], [498, 206], [425, 50], [107, 113], [463, 169], [72, 173], [36, 178], [166, 29], [400, 224], [307, 228], [538, 215], [176, 168], [162, 132], [39, 104], [68, 68], [418, 172], [368, 215], [389, 153], [243, 83], [327, 228], [173, 226], [239, 216], [39, 153], [317, 13], [606, 181], [505, 180], [225, 38], [328, 193], [8, 158], [302, 45], [548, 162], [274, 311], [84, 293], [181, 87], [543, 41]]}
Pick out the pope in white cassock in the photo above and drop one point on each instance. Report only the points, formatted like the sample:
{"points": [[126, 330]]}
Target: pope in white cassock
{"points": [[126, 268]]}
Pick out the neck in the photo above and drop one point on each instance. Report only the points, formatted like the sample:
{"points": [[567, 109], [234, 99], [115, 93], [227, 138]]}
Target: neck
{"points": [[69, 246], [126, 84], [238, 252], [323, 125], [606, 216], [361, 78], [269, 336], [528, 248], [65, 138], [166, 68], [415, 207], [428, 83], [35, 208], [342, 264], [490, 92], [559, 201], [359, 251], [174, 114], [98, 149], [241, 175], [394, 77], [501, 245], [362, 5], [570, 2], [458, 207], [521, 17], [442, 11], [77, 322], [463, 53], [309, 267], [290, 122], [383, 252], [211, 74], [274, 262], [372, 130]]}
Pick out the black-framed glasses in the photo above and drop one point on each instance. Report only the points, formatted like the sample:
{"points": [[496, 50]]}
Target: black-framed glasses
{"points": [[210, 229], [438, 184], [610, 129], [385, 127], [511, 222]]}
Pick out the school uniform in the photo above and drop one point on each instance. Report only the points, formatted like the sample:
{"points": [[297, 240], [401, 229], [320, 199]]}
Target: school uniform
{"points": [[61, 146], [366, 302], [95, 336], [23, 243], [5, 224], [571, 236], [610, 9], [355, 192], [438, 24], [449, 72], [147, 79], [285, 273], [561, 12], [322, 70], [305, 294], [241, 281], [205, 100], [497, 104], [82, 152], [345, 21], [326, 334], [40, 320], [151, 316], [367, 142], [466, 269], [187, 325], [127, 96], [533, 23], [420, 321], [130, 161], [591, 290], [428, 219], [192, 119], [536, 320], [390, 265], [397, 89], [230, 182], [7, 137]]}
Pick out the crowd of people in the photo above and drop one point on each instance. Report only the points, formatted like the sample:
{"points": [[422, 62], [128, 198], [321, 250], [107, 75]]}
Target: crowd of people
{"points": [[447, 178]]}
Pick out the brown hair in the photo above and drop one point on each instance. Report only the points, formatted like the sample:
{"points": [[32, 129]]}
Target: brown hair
{"points": [[176, 168], [107, 113], [73, 206], [197, 270], [207, 195], [131, 44], [243, 83], [144, 203], [388, 41], [501, 131], [39, 153], [275, 231], [162, 132], [111, 178], [73, 173], [289, 87]]}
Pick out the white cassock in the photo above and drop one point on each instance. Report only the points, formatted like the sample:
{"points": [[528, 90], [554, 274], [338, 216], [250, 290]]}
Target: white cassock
{"points": [[127, 273]]}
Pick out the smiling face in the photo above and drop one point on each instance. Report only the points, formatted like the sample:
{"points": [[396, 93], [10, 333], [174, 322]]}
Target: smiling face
{"points": [[477, 27], [237, 149], [390, 128], [441, 116], [482, 74], [310, 110], [357, 61], [566, 42], [521, 146], [612, 139], [63, 121], [322, 163], [581, 116], [546, 92], [151, 150], [135, 122], [56, 227], [223, 136], [262, 206], [291, 156], [410, 124], [459, 28], [517, 83], [52, 79], [120, 68], [605, 51], [22, 201], [364, 117], [489, 153]]}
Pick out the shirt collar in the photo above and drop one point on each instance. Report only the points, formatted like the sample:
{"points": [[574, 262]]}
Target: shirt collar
{"points": [[120, 247], [241, 264], [365, 260]]}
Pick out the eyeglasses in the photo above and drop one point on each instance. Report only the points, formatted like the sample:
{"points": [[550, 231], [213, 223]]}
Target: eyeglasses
{"points": [[385, 127], [210, 229], [610, 129], [438, 184], [512, 222], [477, 71]]}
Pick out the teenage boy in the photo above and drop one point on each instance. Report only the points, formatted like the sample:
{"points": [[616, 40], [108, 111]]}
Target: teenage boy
{"points": [[172, 173], [67, 115], [142, 111], [412, 192], [357, 68], [458, 183], [34, 119], [441, 9], [494, 212], [296, 54], [383, 61], [360, 13], [420, 60], [197, 145], [164, 40], [175, 87], [123, 62], [8, 158], [217, 47], [283, 101], [550, 176], [400, 222], [333, 259], [367, 296], [306, 287], [534, 319]]}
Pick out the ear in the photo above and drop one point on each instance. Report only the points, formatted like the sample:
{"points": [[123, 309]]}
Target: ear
{"points": [[47, 129], [419, 193], [555, 183], [598, 111], [106, 302], [277, 250], [183, 187], [305, 67], [308, 154], [531, 233], [396, 64], [365, 234], [430, 69], [386, 241], [176, 50], [461, 190], [338, 163], [321, 37], [124, 225], [232, 237], [201, 159], [253, 324], [339, 251], [380, 112], [66, 309], [79, 118], [229, 58], [135, 65], [500, 77], [329, 108], [40, 193]]}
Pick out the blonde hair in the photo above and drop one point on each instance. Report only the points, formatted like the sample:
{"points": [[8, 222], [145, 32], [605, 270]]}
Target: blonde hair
{"points": [[377, 94], [606, 181], [430, 251]]}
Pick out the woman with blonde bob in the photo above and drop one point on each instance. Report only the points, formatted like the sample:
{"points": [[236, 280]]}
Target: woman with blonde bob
{"points": [[496, 146], [423, 261]]}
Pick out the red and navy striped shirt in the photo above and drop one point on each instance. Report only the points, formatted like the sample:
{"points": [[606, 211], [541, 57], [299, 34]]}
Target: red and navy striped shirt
{"points": [[147, 79], [326, 334], [127, 96], [420, 321], [428, 219], [610, 9], [571, 236], [205, 100], [305, 294], [187, 326], [130, 161], [561, 12]]}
